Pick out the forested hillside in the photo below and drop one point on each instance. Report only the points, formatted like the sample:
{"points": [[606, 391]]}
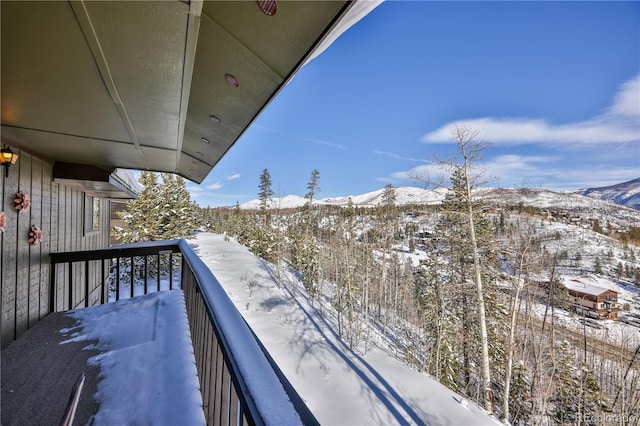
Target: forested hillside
{"points": [[407, 272]]}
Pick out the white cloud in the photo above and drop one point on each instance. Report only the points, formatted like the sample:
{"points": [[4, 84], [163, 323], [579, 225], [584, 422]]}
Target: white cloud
{"points": [[561, 178], [399, 157], [620, 123], [627, 100], [231, 177], [549, 172], [300, 138], [214, 186], [436, 173], [506, 166]]}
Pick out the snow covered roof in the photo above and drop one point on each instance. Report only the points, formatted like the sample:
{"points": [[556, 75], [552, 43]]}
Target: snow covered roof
{"points": [[583, 286]]}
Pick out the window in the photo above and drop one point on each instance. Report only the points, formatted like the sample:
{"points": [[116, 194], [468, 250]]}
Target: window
{"points": [[91, 213]]}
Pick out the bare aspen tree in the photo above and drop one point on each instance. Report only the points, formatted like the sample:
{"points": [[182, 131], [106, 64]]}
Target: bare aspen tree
{"points": [[519, 285], [388, 211], [469, 149]]}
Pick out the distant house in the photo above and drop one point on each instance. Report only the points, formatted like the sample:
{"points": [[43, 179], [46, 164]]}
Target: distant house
{"points": [[546, 214], [593, 301]]}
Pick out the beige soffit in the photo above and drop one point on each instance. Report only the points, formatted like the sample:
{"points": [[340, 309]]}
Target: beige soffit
{"points": [[149, 85]]}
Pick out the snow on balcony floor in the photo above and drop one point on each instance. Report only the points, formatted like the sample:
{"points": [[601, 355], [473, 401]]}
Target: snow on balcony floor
{"points": [[136, 354], [147, 367]]}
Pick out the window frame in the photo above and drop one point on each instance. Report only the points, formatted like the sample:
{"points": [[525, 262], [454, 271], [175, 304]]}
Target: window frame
{"points": [[91, 214]]}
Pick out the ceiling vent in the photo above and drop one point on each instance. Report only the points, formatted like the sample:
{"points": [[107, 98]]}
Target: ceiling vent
{"points": [[268, 7]]}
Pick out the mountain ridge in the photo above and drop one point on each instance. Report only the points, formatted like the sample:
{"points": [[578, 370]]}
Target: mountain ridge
{"points": [[624, 195]]}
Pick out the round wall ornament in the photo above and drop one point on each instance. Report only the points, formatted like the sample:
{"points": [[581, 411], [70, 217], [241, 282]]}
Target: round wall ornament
{"points": [[35, 235], [22, 201]]}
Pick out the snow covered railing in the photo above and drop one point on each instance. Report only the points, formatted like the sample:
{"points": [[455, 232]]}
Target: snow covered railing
{"points": [[239, 382]]}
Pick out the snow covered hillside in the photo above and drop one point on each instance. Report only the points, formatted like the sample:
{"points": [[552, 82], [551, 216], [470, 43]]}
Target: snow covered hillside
{"points": [[380, 280], [339, 385], [626, 193]]}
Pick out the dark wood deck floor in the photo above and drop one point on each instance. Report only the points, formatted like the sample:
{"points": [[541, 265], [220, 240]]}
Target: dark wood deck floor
{"points": [[38, 374]]}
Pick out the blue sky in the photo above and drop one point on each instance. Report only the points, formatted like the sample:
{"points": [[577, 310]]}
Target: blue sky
{"points": [[553, 87]]}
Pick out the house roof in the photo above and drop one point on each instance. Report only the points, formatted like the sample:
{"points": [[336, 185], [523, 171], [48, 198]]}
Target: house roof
{"points": [[584, 287], [168, 86]]}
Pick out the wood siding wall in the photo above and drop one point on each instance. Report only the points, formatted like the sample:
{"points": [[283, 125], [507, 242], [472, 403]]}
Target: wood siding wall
{"points": [[25, 268]]}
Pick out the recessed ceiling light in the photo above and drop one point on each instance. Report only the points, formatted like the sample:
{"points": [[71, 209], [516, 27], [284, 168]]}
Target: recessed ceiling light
{"points": [[205, 140], [231, 80], [268, 7], [214, 119], [199, 153]]}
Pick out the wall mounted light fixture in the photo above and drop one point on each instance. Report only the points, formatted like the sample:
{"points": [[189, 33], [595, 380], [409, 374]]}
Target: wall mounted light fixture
{"points": [[7, 158]]}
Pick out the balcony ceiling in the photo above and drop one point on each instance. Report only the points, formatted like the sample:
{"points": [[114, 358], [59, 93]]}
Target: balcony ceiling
{"points": [[134, 84]]}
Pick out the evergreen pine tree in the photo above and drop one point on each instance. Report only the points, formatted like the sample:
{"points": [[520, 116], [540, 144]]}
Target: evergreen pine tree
{"points": [[388, 202], [265, 193], [597, 266], [305, 251], [576, 399], [176, 213], [313, 187], [520, 406], [162, 211], [140, 216], [436, 297]]}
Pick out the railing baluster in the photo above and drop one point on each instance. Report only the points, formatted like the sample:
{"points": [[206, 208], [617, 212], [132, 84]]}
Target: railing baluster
{"points": [[70, 285], [131, 277], [117, 278], [205, 370], [234, 406], [102, 281], [86, 283], [226, 397], [217, 402], [170, 271], [158, 266], [52, 287], [145, 274]]}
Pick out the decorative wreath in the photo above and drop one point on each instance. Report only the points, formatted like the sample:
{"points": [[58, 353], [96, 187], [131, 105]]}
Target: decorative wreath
{"points": [[23, 202], [35, 235], [3, 221]]}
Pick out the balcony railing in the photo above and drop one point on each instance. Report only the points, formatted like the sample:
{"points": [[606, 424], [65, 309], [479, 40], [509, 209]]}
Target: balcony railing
{"points": [[236, 390]]}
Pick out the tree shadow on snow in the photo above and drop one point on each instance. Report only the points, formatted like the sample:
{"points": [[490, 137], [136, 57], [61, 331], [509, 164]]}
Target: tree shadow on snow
{"points": [[375, 383]]}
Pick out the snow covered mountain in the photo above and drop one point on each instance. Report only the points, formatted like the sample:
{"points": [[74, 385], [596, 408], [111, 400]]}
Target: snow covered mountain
{"points": [[404, 195], [287, 202], [541, 198], [626, 193]]}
